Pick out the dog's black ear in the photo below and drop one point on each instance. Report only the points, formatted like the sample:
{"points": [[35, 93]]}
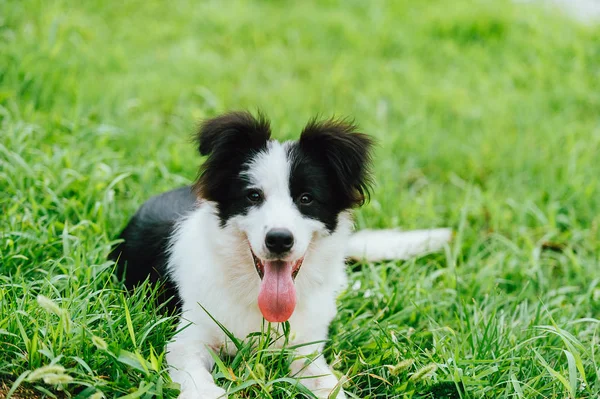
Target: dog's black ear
{"points": [[347, 154], [235, 131], [229, 140]]}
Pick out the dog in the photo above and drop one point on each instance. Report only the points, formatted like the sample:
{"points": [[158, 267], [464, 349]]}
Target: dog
{"points": [[263, 234]]}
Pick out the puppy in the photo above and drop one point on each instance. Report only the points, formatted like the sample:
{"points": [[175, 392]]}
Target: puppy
{"points": [[263, 234]]}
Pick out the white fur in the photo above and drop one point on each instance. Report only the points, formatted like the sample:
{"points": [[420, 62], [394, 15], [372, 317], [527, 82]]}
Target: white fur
{"points": [[378, 245], [212, 266]]}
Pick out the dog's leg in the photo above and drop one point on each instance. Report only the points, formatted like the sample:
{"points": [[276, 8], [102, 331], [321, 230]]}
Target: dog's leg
{"points": [[379, 245], [315, 374], [190, 365]]}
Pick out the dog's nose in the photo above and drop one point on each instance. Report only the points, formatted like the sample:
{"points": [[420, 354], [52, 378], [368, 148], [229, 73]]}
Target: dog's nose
{"points": [[279, 241]]}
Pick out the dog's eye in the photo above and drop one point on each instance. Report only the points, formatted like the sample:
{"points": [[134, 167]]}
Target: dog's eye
{"points": [[306, 199], [254, 196]]}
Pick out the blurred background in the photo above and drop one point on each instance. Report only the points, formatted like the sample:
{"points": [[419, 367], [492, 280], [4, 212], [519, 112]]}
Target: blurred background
{"points": [[454, 93], [487, 115]]}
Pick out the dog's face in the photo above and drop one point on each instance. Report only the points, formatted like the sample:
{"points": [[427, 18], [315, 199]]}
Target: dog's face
{"points": [[281, 197]]}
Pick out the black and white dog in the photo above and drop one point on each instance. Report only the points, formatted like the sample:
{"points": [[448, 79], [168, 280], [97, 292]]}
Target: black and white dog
{"points": [[263, 233]]}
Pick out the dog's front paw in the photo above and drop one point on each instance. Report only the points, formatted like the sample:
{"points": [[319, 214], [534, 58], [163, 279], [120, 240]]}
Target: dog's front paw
{"points": [[205, 392], [328, 394], [325, 387]]}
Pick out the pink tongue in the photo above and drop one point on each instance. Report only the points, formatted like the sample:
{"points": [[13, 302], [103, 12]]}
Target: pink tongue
{"points": [[277, 296]]}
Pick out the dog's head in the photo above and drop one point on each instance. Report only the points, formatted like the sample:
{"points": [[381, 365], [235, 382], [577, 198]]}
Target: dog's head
{"points": [[281, 197]]}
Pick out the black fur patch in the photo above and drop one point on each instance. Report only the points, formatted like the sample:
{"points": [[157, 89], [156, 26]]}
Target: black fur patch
{"points": [[230, 141], [143, 253], [331, 162]]}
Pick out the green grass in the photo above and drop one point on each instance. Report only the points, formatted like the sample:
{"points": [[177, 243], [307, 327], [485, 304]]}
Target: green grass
{"points": [[488, 119]]}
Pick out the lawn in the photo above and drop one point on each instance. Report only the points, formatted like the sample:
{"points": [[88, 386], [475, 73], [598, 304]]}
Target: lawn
{"points": [[488, 121]]}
